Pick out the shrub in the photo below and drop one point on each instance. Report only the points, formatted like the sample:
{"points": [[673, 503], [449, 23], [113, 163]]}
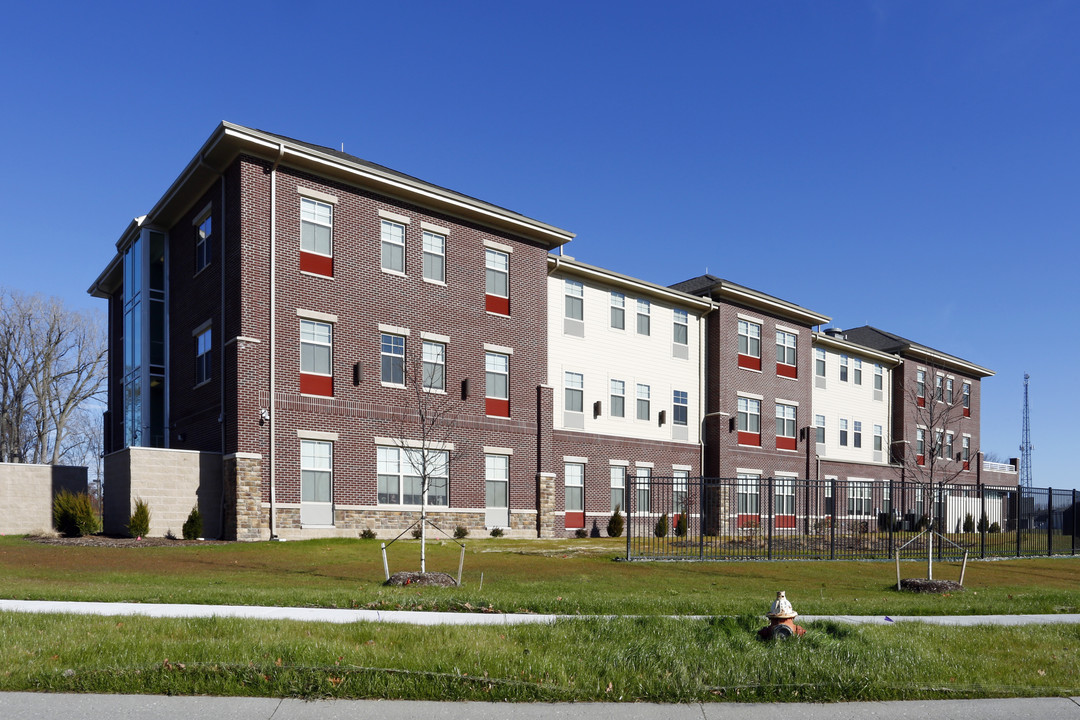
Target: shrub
{"points": [[581, 533], [496, 532], [416, 533], [923, 522], [969, 523], [461, 532], [192, 529], [661, 529], [983, 525], [616, 524], [995, 528], [680, 526], [170, 535], [367, 534], [73, 514], [139, 522]]}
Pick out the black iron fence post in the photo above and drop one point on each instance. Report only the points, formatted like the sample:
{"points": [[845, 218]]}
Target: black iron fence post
{"points": [[832, 521], [939, 517], [701, 517], [1019, 510], [1074, 511], [890, 515], [772, 511], [1050, 521], [630, 489], [982, 526]]}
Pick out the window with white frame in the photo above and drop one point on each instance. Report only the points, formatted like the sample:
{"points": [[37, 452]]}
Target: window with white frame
{"points": [[316, 471], [680, 495], [878, 438], [856, 427], [949, 390], [819, 428], [965, 449], [681, 328], [202, 356], [785, 421], [316, 227], [920, 384], [434, 365], [749, 339], [401, 473], [316, 343], [939, 446], [749, 494], [785, 496], [392, 353], [618, 488], [920, 443], [574, 474], [819, 362], [618, 310], [785, 347], [749, 417], [680, 407], [886, 498], [203, 229], [949, 445], [857, 371], [434, 256], [497, 481], [843, 368], [393, 246], [618, 398], [497, 273], [939, 388], [966, 394], [575, 300], [843, 432], [643, 396], [859, 497], [574, 392], [879, 376], [643, 490], [644, 309], [496, 377]]}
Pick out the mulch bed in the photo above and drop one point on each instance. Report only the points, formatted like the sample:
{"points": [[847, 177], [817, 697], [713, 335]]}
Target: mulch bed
{"points": [[116, 542], [922, 585], [416, 578]]}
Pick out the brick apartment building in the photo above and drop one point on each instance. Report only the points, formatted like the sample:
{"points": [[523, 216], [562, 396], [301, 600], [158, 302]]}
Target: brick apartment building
{"points": [[285, 315]]}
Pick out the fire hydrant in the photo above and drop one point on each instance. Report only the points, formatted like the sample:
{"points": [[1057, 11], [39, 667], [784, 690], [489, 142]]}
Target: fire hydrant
{"points": [[781, 620]]}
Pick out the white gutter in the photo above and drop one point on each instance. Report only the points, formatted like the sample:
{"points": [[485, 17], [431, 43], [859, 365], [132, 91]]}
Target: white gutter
{"points": [[273, 333]]}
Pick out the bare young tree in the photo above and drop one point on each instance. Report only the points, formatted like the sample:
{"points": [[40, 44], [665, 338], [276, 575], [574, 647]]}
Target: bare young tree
{"points": [[425, 435], [935, 406], [52, 367]]}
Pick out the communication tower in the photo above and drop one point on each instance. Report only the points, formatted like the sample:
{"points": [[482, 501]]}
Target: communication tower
{"points": [[1025, 442]]}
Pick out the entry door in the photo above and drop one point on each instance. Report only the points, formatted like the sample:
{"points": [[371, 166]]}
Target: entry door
{"points": [[497, 470]]}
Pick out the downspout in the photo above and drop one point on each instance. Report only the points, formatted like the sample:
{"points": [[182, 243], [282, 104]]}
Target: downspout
{"points": [[273, 333]]}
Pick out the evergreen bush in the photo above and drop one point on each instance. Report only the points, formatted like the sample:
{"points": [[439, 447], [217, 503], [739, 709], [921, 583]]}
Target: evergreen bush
{"points": [[984, 524], [581, 533], [461, 532], [496, 532], [969, 523], [616, 524], [367, 534], [192, 529], [995, 528], [661, 529], [680, 526], [73, 514], [139, 522]]}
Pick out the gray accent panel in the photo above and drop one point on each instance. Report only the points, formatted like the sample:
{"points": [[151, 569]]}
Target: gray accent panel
{"points": [[573, 327], [574, 420]]}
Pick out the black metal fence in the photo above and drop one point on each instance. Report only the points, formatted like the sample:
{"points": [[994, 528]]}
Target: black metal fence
{"points": [[794, 519]]}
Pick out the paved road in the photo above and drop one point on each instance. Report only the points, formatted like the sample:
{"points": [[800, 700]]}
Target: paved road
{"points": [[330, 615], [41, 706]]}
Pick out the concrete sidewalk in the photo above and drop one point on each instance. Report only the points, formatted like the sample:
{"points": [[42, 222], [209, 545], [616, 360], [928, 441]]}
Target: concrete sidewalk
{"points": [[333, 615], [44, 706]]}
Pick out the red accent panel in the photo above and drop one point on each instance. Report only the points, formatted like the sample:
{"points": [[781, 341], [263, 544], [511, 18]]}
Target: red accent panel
{"points": [[496, 304], [920, 460], [784, 522], [318, 264], [785, 443], [749, 438], [316, 384], [967, 412], [967, 465], [748, 521], [575, 520], [494, 406], [750, 363], [787, 370], [920, 401]]}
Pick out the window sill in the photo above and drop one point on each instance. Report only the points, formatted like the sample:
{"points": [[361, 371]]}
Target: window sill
{"points": [[201, 270], [429, 281], [433, 391], [393, 385], [495, 314], [756, 447], [750, 370], [395, 273], [313, 395], [316, 275], [786, 377], [204, 382], [498, 417]]}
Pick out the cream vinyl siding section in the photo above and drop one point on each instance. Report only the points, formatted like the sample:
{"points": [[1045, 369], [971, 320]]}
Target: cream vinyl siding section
{"points": [[852, 402], [604, 354]]}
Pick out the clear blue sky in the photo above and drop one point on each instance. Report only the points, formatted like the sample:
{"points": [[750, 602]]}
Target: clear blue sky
{"points": [[913, 165]]}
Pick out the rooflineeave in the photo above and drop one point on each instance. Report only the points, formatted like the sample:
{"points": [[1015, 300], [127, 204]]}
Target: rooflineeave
{"points": [[570, 266], [820, 338]]}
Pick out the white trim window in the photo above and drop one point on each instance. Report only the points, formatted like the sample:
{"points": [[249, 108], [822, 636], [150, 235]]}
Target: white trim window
{"points": [[618, 310], [574, 392], [574, 293], [644, 317], [749, 339], [785, 496], [574, 477], [920, 444], [859, 497], [939, 446], [856, 439], [965, 394], [843, 432], [316, 227], [316, 471], [949, 390], [316, 347], [434, 359], [920, 384], [819, 428], [965, 448], [643, 408], [401, 476], [879, 376], [949, 445], [202, 356], [497, 487], [496, 376], [434, 257], [680, 492], [681, 327], [939, 388], [680, 409], [819, 362], [785, 421], [618, 398], [748, 496], [857, 371], [496, 273], [643, 489], [392, 235], [203, 229], [879, 442], [392, 353], [618, 488], [843, 368], [749, 415], [785, 347]]}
